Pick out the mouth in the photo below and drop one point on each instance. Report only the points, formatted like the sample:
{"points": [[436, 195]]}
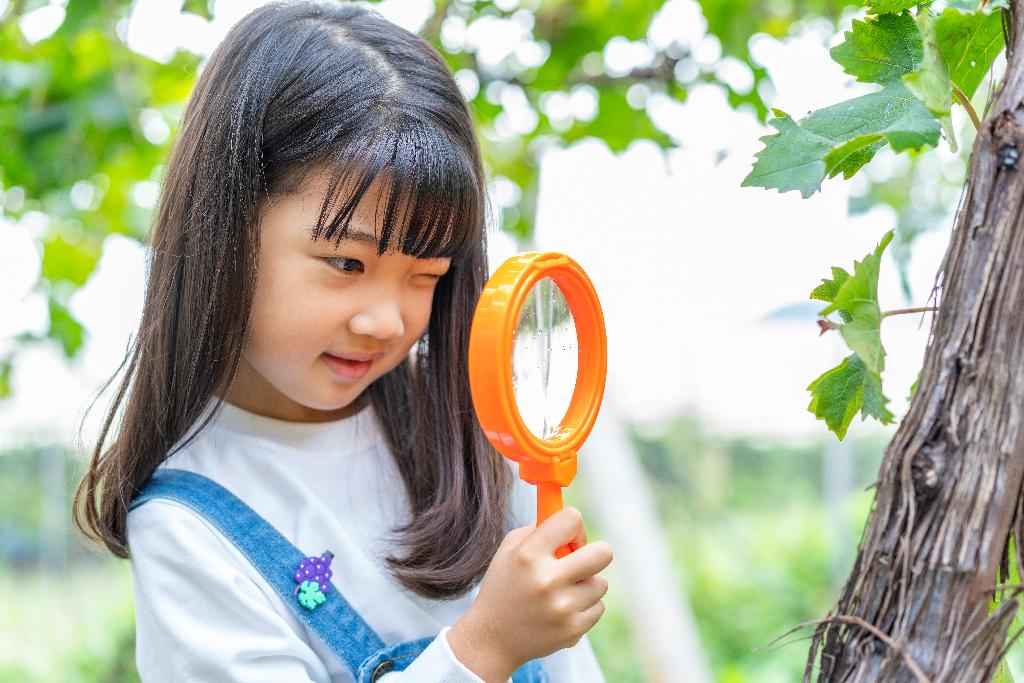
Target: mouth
{"points": [[357, 356], [350, 365]]}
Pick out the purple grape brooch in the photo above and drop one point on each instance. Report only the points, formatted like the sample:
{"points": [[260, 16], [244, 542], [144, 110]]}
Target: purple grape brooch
{"points": [[313, 576]]}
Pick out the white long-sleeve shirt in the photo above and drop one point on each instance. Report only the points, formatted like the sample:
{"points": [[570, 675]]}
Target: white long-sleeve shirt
{"points": [[204, 613]]}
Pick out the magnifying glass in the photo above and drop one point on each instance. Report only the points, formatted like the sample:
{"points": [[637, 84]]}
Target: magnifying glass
{"points": [[538, 331]]}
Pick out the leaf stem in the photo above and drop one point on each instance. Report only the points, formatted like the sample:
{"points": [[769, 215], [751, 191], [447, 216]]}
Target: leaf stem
{"points": [[826, 325], [903, 311], [966, 102]]}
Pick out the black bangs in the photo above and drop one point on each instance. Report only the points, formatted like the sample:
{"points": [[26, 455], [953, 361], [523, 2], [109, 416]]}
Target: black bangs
{"points": [[434, 200]]}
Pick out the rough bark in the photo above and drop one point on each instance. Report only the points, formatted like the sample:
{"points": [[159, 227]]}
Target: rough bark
{"points": [[948, 495]]}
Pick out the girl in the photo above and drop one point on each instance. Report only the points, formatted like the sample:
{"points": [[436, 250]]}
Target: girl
{"points": [[297, 468]]}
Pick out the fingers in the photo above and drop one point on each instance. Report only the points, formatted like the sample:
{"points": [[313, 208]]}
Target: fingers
{"points": [[580, 539], [588, 591], [592, 614], [585, 561], [565, 526]]}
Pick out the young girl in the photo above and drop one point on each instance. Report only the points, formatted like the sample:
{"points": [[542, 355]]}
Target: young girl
{"points": [[297, 468]]}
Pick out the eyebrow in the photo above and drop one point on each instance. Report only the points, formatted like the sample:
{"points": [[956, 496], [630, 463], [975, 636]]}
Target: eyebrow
{"points": [[354, 236], [366, 238]]}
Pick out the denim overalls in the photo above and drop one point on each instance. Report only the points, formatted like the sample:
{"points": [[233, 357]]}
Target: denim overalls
{"points": [[337, 624]]}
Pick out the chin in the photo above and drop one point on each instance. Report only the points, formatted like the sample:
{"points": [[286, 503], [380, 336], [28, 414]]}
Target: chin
{"points": [[332, 396]]}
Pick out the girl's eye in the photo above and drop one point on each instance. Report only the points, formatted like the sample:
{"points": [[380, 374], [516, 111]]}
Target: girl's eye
{"points": [[346, 265]]}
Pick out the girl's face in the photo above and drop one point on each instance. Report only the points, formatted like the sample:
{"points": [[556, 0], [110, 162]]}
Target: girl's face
{"points": [[316, 303]]}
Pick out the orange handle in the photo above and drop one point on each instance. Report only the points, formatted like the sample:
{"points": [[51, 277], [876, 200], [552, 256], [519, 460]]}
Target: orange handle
{"points": [[549, 501]]}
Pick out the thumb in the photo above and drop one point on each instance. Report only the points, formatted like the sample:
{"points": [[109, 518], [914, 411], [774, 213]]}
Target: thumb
{"points": [[518, 535], [564, 526]]}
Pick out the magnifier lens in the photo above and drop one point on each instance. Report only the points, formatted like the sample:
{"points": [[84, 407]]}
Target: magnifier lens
{"points": [[544, 358]]}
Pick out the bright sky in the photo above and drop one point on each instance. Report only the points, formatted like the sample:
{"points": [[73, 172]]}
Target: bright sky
{"points": [[686, 262]]}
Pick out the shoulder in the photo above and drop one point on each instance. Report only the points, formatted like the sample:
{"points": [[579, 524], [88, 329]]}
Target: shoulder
{"points": [[171, 544], [201, 613]]}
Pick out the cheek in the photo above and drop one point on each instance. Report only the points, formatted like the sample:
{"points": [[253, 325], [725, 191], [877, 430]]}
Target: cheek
{"points": [[291, 321], [418, 318]]}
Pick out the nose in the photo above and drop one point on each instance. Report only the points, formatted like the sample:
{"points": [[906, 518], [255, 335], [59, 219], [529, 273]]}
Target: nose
{"points": [[381, 319]]}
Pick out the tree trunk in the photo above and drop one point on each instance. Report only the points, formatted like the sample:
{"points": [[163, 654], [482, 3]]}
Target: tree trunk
{"points": [[948, 496]]}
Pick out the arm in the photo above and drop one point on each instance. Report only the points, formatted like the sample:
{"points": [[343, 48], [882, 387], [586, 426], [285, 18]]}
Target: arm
{"points": [[437, 663], [200, 617]]}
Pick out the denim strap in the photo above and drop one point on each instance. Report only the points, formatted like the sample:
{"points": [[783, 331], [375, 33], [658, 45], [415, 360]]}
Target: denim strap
{"points": [[339, 626]]}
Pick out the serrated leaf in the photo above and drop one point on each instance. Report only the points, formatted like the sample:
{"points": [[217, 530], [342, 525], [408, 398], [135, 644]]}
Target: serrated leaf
{"points": [[790, 160], [930, 83], [850, 157], [969, 42], [858, 296], [793, 159], [889, 6], [893, 111], [880, 49], [839, 393], [873, 400], [828, 289]]}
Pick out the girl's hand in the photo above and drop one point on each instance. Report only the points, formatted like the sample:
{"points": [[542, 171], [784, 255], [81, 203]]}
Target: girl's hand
{"points": [[531, 603]]}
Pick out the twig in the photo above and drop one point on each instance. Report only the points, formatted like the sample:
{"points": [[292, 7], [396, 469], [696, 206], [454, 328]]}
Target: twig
{"points": [[903, 311], [825, 325], [1015, 587], [919, 674], [877, 632], [963, 99]]}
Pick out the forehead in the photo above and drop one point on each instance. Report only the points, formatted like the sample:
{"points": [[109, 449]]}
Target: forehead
{"points": [[313, 203]]}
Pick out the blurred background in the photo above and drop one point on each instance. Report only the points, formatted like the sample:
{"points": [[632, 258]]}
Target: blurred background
{"points": [[617, 132]]}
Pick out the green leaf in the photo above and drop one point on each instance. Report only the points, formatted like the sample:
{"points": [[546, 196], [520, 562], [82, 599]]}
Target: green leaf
{"points": [[850, 157], [838, 394], [893, 111], [930, 83], [969, 42], [880, 49], [71, 261], [828, 289], [65, 329], [913, 387], [1003, 674], [856, 383], [890, 6], [794, 159], [858, 296], [790, 160]]}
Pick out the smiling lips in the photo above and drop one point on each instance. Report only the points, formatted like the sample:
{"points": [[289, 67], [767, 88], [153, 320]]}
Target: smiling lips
{"points": [[350, 365]]}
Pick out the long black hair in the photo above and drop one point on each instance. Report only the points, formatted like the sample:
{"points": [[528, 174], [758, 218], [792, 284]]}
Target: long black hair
{"points": [[296, 87]]}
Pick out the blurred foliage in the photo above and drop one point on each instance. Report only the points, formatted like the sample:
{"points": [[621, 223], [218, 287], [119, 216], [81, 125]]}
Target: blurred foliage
{"points": [[50, 638], [749, 530], [87, 122], [84, 121]]}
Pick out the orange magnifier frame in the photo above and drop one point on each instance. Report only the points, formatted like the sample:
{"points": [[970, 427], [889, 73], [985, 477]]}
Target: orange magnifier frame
{"points": [[549, 463]]}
